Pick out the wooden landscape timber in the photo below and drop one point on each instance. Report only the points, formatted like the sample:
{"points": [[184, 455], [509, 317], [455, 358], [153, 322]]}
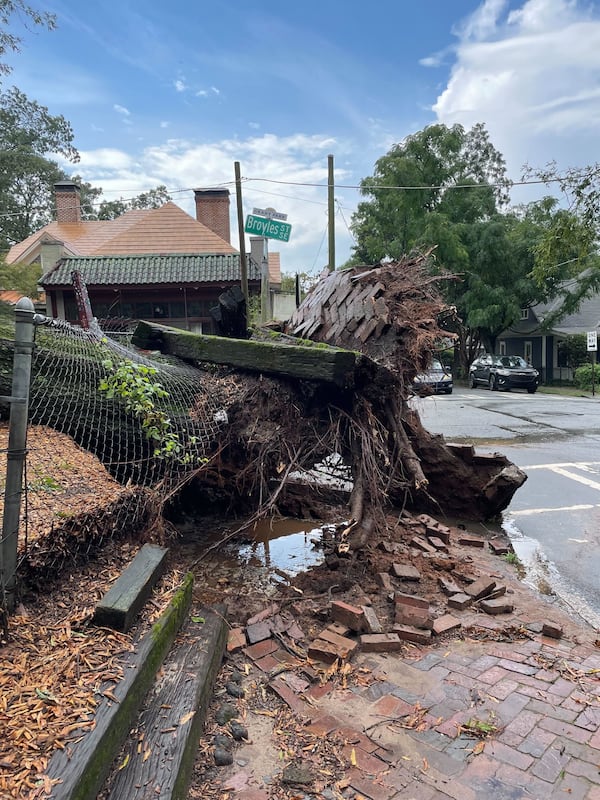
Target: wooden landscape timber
{"points": [[82, 776]]}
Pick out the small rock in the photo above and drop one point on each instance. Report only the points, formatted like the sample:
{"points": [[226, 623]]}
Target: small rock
{"points": [[234, 689], [236, 676], [222, 757], [222, 742], [238, 731], [225, 713], [297, 775]]}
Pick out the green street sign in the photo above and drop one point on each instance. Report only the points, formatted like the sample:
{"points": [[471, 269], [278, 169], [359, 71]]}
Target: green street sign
{"points": [[270, 228]]}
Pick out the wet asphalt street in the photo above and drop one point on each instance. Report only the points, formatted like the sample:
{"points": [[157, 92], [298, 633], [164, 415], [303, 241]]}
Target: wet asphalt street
{"points": [[554, 518]]}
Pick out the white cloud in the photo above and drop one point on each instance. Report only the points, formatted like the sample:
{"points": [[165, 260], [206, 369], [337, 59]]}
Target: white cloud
{"points": [[532, 77], [164, 123], [104, 157], [294, 161], [122, 110], [179, 85], [483, 21], [434, 60], [208, 92]]}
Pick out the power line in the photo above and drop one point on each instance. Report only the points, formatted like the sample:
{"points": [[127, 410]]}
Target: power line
{"points": [[339, 207], [374, 187]]}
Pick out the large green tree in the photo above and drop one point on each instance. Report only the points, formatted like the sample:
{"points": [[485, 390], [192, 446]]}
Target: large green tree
{"points": [[29, 137], [446, 188], [569, 244]]}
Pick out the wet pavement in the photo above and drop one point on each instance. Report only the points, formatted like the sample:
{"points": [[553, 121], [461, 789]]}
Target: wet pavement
{"points": [[497, 710]]}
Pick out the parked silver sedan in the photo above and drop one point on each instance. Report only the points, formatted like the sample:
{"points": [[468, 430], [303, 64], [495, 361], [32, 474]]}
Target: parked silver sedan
{"points": [[437, 379]]}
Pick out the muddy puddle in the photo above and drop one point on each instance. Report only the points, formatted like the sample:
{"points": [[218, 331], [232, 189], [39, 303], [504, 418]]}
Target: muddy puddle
{"points": [[285, 545], [264, 555], [274, 550]]}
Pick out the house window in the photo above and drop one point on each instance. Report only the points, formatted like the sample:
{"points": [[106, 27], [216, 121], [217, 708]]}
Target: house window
{"points": [[524, 313], [143, 310], [528, 351], [177, 310], [502, 347]]}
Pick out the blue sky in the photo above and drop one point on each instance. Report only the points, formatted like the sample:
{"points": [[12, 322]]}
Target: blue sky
{"points": [[176, 92]]}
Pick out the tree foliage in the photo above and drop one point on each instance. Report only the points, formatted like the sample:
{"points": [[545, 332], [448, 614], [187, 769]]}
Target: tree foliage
{"points": [[417, 193], [154, 198], [20, 277], [445, 187], [17, 10], [29, 136], [569, 244]]}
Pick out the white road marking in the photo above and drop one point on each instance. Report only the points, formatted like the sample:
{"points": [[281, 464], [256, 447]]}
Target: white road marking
{"points": [[579, 478], [579, 541], [577, 464], [525, 512]]}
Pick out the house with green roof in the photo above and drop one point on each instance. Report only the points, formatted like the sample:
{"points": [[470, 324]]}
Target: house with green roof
{"points": [[158, 263]]}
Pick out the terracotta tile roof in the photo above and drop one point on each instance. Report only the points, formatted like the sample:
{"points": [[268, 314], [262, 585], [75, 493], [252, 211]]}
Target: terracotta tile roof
{"points": [[167, 229], [11, 297], [149, 269]]}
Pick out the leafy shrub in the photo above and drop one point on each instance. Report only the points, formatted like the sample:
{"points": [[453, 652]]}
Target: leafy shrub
{"points": [[583, 376]]}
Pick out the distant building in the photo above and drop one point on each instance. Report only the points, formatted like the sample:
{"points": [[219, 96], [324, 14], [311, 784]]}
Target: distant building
{"points": [[157, 263], [541, 346]]}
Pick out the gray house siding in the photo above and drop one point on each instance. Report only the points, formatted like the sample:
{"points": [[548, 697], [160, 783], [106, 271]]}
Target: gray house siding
{"points": [[545, 344]]}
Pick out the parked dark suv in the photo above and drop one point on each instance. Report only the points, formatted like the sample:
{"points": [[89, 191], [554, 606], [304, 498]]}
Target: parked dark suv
{"points": [[503, 372]]}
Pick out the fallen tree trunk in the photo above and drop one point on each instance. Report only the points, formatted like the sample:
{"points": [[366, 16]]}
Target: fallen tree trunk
{"points": [[299, 360], [373, 329]]}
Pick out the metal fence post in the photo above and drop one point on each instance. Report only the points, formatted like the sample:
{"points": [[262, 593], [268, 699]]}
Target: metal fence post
{"points": [[17, 442]]}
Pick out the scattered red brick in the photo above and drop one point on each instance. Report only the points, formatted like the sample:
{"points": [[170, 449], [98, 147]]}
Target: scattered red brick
{"points": [[348, 615], [236, 639], [552, 630], [411, 600], [380, 642], [405, 572], [410, 634], [460, 601], [496, 606], [481, 588], [445, 624]]}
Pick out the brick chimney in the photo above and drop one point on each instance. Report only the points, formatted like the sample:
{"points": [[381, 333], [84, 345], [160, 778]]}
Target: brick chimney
{"points": [[68, 201], [212, 210]]}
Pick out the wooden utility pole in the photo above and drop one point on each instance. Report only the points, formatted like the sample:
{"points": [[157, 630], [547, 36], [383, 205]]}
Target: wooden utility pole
{"points": [[331, 213], [240, 216]]}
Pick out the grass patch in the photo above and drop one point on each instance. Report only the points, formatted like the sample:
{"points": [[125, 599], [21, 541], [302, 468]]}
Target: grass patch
{"points": [[567, 391]]}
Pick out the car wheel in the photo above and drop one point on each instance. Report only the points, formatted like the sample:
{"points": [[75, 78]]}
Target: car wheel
{"points": [[532, 390], [493, 383], [448, 391], [472, 381]]}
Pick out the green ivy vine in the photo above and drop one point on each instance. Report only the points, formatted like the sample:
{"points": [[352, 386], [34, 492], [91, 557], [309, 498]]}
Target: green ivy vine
{"points": [[135, 386]]}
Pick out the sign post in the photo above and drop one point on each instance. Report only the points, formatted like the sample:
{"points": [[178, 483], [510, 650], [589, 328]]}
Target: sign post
{"points": [[592, 346]]}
